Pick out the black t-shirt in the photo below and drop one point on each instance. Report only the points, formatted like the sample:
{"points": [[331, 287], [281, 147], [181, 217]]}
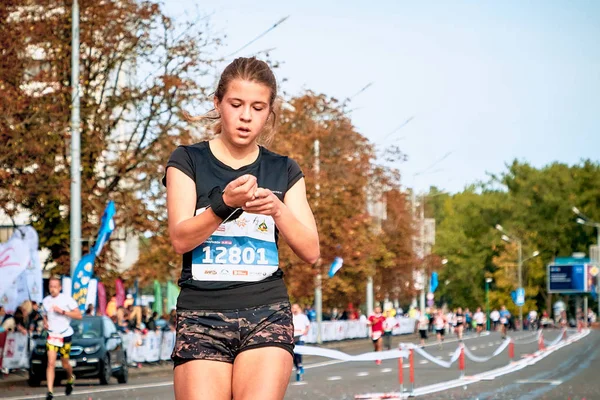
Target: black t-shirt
{"points": [[237, 266]]}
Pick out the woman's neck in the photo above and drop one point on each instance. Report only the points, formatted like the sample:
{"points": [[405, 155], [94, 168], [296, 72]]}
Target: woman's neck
{"points": [[231, 155]]}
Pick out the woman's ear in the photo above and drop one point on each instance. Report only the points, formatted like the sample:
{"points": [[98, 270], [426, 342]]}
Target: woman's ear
{"points": [[217, 104]]}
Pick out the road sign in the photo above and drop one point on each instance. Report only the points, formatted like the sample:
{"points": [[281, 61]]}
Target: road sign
{"points": [[569, 278], [520, 297]]}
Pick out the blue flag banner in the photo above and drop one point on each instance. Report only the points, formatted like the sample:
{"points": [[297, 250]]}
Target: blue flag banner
{"points": [[106, 227], [81, 279], [335, 266], [85, 268], [433, 282]]}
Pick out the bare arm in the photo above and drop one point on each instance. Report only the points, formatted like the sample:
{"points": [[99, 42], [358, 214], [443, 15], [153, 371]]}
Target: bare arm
{"points": [[297, 224], [188, 231], [74, 314], [293, 218]]}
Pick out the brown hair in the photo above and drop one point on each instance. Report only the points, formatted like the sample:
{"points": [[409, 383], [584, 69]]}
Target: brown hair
{"points": [[55, 278], [253, 70]]}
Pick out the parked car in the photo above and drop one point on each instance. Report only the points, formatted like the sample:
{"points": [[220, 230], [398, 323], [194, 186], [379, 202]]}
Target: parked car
{"points": [[96, 352]]}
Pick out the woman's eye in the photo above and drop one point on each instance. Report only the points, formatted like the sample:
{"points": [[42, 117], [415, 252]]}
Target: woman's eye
{"points": [[235, 105], [258, 108]]}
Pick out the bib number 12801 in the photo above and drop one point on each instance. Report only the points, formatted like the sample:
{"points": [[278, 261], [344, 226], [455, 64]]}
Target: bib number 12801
{"points": [[234, 255]]}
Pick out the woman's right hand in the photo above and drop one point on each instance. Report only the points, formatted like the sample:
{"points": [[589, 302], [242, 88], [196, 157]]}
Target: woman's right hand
{"points": [[239, 191]]}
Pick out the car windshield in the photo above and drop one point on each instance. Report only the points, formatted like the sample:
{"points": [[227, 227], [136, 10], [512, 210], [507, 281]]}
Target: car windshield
{"points": [[87, 328]]}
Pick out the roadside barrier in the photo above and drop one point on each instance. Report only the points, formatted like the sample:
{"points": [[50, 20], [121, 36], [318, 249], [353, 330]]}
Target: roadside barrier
{"points": [[408, 350]]}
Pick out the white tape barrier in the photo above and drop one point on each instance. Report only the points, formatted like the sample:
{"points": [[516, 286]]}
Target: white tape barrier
{"points": [[441, 363], [535, 337], [555, 341], [341, 330], [475, 358], [339, 355]]}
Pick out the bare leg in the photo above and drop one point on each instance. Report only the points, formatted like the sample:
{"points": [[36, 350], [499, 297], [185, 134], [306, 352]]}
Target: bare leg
{"points": [[50, 369], [261, 373], [190, 380]]}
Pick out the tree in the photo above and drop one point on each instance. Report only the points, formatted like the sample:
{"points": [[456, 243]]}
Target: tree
{"points": [[138, 70]]}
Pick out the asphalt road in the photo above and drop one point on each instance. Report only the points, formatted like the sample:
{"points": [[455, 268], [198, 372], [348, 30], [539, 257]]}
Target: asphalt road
{"points": [[569, 372]]}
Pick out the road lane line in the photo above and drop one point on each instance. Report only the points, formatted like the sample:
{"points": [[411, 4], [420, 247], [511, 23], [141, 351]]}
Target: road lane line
{"points": [[362, 374], [78, 392], [334, 378], [386, 370]]}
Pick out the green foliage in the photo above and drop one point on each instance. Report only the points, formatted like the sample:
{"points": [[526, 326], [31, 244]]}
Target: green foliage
{"points": [[533, 204]]}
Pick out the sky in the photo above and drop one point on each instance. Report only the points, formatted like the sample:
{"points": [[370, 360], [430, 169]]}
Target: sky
{"points": [[485, 82]]}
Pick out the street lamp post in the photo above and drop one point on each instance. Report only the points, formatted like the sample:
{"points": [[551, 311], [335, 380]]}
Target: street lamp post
{"points": [[487, 302], [508, 238], [584, 220]]}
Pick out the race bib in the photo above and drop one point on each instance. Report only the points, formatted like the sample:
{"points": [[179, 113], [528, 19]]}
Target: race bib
{"points": [[376, 335], [503, 320], [240, 250], [57, 341]]}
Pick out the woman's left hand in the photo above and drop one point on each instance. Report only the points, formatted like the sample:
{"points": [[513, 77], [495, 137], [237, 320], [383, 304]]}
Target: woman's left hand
{"points": [[265, 202]]}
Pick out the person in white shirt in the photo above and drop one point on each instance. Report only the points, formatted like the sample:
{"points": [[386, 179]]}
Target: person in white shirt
{"points": [[495, 317], [58, 310], [301, 328], [480, 319], [388, 326], [533, 320]]}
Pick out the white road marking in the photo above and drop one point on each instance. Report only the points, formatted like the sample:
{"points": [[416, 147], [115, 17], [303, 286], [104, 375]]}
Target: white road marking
{"points": [[406, 366], [474, 347], [362, 374], [482, 346], [91, 391], [490, 344], [549, 382], [386, 370], [334, 378], [451, 353], [423, 362], [298, 383]]}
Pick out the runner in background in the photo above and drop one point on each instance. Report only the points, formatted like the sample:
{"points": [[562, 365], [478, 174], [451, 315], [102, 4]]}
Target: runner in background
{"points": [[376, 323], [533, 320], [504, 320], [58, 310], [423, 327], [479, 318], [388, 326], [301, 327], [439, 325], [495, 317], [460, 323]]}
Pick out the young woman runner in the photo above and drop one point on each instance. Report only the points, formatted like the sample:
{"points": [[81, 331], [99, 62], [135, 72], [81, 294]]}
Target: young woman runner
{"points": [[228, 200]]}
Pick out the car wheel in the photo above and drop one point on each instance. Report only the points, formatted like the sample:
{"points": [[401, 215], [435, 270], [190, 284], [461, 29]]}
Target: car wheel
{"points": [[105, 371], [123, 375]]}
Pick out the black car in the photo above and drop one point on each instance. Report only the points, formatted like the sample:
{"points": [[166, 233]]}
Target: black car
{"points": [[96, 352]]}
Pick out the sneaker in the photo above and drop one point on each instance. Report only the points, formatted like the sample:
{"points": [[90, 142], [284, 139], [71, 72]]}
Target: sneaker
{"points": [[49, 396], [69, 385]]}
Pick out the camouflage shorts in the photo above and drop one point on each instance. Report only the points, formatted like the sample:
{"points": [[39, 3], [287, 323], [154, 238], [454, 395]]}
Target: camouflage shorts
{"points": [[222, 335]]}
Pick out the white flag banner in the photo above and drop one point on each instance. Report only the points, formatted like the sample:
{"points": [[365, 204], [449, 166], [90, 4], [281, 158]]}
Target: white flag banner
{"points": [[33, 272], [14, 258]]}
